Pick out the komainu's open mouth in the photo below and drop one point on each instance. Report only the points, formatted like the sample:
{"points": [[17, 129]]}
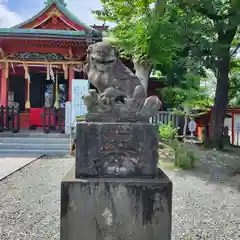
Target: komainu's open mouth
{"points": [[102, 61]]}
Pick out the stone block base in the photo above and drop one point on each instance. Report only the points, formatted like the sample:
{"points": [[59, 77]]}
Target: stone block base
{"points": [[113, 209], [116, 150]]}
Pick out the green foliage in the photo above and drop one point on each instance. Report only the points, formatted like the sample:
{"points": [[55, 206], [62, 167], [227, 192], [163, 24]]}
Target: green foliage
{"points": [[142, 31], [189, 94], [234, 83], [173, 97], [212, 18], [156, 74], [184, 158], [167, 132], [234, 86], [213, 35]]}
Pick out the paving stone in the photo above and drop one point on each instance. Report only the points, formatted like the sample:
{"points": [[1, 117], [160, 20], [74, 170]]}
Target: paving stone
{"points": [[9, 165]]}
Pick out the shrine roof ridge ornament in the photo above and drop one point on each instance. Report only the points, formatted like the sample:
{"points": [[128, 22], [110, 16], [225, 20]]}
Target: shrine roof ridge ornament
{"points": [[48, 2]]}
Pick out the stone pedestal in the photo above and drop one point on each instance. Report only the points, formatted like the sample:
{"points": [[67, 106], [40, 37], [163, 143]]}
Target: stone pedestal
{"points": [[116, 208], [116, 149]]}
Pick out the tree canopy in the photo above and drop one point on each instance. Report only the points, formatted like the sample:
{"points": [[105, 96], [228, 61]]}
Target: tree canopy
{"points": [[143, 32], [137, 29]]}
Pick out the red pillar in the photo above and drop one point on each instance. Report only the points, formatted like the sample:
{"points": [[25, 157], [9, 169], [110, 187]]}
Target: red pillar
{"points": [[4, 88], [233, 125], [70, 78], [0, 83]]}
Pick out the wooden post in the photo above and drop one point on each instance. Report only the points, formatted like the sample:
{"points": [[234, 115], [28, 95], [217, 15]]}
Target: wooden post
{"points": [[70, 79], [65, 70], [27, 104], [56, 104], [4, 86]]}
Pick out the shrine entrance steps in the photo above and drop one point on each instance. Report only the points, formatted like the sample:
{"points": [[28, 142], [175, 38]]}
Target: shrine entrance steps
{"points": [[32, 143]]}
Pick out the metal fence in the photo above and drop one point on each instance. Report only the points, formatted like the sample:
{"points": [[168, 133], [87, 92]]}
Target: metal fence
{"points": [[54, 119], [164, 117], [9, 119]]}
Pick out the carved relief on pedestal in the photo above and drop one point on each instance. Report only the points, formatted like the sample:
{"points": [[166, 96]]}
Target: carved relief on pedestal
{"points": [[120, 149]]}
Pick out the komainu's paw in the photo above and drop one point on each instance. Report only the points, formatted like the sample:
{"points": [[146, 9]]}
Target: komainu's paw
{"points": [[93, 93], [90, 99], [109, 96], [106, 100]]}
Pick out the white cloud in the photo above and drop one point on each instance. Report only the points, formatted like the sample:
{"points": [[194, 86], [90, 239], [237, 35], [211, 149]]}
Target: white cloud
{"points": [[7, 17]]}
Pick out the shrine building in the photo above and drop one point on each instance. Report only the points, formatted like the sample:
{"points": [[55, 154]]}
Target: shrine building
{"points": [[39, 59]]}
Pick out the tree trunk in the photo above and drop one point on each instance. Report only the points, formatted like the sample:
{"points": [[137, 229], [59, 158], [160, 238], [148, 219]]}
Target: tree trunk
{"points": [[185, 126], [220, 102], [206, 137], [225, 39], [142, 71]]}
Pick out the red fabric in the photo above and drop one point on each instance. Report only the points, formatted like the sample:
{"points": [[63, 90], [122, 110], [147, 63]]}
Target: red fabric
{"points": [[36, 117], [24, 121]]}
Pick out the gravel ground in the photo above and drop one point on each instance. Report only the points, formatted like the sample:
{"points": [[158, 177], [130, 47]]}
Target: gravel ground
{"points": [[204, 207], [30, 201]]}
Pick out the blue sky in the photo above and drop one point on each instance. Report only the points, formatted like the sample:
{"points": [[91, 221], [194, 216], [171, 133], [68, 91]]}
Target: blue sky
{"points": [[14, 11]]}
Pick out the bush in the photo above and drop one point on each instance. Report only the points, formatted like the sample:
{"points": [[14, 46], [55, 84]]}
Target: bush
{"points": [[184, 158], [167, 132]]}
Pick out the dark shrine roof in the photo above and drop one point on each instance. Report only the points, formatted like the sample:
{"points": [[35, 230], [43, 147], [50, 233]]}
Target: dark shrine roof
{"points": [[21, 31]]}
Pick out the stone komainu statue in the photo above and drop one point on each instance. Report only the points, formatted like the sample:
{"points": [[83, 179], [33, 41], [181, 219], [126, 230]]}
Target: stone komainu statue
{"points": [[120, 92]]}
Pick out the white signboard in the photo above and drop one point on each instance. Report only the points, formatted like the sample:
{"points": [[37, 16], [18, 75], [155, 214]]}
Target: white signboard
{"points": [[68, 116], [228, 123], [236, 130], [80, 88], [238, 127], [192, 126]]}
